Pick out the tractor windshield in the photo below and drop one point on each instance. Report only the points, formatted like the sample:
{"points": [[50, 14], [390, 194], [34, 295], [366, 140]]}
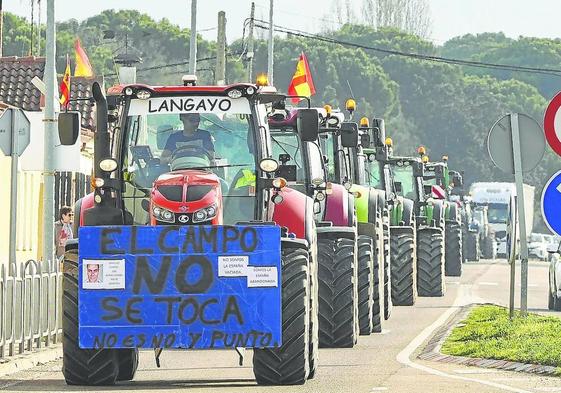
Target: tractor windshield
{"points": [[218, 140], [404, 174], [288, 151], [374, 174]]}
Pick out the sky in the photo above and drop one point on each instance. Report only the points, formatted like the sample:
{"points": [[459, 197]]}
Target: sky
{"points": [[450, 18]]}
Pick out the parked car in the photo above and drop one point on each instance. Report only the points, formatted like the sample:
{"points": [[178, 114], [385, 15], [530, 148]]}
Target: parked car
{"points": [[554, 298], [537, 246]]}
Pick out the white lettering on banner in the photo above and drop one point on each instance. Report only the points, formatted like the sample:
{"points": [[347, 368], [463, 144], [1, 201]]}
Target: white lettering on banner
{"points": [[262, 276], [103, 274], [189, 104], [232, 266]]}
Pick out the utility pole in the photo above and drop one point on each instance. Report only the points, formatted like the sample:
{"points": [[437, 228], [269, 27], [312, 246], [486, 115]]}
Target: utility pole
{"points": [[249, 54], [220, 75], [50, 130], [1, 28], [271, 45], [193, 41], [39, 28]]}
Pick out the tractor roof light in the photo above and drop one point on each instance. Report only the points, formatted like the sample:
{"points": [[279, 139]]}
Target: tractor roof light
{"points": [[143, 94], [364, 122], [189, 80], [328, 109], [388, 142], [425, 159], [445, 158], [422, 150], [350, 105], [279, 183], [262, 80]]}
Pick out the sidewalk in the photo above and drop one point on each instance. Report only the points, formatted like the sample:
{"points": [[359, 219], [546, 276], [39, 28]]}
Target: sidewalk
{"points": [[13, 364]]}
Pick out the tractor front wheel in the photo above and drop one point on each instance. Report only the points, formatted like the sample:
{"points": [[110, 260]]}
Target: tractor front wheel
{"points": [[365, 283], [453, 251], [404, 270], [430, 262]]}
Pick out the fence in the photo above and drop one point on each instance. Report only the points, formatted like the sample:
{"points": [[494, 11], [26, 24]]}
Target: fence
{"points": [[69, 187], [30, 299]]}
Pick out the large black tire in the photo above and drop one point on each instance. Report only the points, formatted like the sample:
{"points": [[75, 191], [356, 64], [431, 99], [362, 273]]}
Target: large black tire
{"points": [[488, 248], [388, 305], [365, 283], [81, 366], [471, 251], [430, 262], [289, 364], [550, 299], [378, 290], [453, 250], [337, 293], [128, 363], [404, 270], [314, 312]]}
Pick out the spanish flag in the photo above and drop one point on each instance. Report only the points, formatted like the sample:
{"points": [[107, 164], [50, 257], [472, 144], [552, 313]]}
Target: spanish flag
{"points": [[302, 83], [83, 66], [65, 85]]}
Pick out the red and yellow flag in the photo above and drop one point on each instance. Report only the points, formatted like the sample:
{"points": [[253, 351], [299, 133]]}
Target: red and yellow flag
{"points": [[302, 83], [65, 85], [83, 66]]}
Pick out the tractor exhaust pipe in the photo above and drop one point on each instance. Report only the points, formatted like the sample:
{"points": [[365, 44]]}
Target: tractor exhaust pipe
{"points": [[102, 137]]}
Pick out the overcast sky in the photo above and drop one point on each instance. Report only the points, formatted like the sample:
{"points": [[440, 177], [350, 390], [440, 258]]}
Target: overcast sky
{"points": [[538, 18]]}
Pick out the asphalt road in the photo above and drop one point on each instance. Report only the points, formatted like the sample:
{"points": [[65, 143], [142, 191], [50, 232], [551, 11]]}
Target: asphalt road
{"points": [[379, 363]]}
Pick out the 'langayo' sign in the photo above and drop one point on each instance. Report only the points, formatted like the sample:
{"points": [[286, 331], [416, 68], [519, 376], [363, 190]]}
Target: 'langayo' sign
{"points": [[179, 287], [189, 104]]}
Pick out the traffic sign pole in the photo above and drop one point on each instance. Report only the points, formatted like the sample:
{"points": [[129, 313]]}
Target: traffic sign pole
{"points": [[519, 180], [13, 187]]}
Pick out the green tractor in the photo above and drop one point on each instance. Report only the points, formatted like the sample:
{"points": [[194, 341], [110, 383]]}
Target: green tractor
{"points": [[442, 181], [339, 140], [377, 151]]}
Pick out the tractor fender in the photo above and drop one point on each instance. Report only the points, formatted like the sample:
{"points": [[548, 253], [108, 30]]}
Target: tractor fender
{"points": [[81, 205], [337, 206], [439, 213], [408, 211], [335, 233], [296, 212], [452, 212], [362, 199]]}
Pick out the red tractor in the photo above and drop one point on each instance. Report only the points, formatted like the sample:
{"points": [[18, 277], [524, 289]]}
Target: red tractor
{"points": [[173, 157]]}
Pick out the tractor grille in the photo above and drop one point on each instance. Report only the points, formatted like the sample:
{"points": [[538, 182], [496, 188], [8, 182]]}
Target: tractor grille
{"points": [[172, 193], [197, 192]]}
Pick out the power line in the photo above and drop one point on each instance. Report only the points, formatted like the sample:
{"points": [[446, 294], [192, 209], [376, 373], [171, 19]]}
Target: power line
{"points": [[418, 56]]}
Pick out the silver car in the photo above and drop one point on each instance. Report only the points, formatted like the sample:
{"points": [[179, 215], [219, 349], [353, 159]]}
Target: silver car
{"points": [[554, 298]]}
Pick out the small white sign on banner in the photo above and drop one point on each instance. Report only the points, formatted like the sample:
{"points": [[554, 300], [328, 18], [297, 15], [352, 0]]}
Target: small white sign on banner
{"points": [[103, 274], [262, 276], [232, 265]]}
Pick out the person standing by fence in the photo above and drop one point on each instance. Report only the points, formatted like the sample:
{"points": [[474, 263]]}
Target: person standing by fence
{"points": [[63, 230]]}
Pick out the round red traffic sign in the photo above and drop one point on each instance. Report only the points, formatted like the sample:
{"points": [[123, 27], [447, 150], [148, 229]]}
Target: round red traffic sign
{"points": [[552, 124]]}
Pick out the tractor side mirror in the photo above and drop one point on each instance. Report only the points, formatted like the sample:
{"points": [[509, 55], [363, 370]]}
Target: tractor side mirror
{"points": [[145, 205], [307, 124], [398, 187], [365, 140], [427, 189], [349, 134], [68, 127], [458, 180]]}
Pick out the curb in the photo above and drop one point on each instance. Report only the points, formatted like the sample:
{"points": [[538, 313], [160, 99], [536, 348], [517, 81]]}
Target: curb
{"points": [[26, 361], [432, 352]]}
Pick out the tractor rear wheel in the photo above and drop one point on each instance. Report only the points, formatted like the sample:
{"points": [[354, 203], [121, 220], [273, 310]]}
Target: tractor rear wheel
{"points": [[128, 363], [314, 311], [337, 293], [378, 293], [289, 364], [81, 366], [365, 283], [453, 251], [488, 248], [388, 304], [471, 252], [430, 262], [404, 270]]}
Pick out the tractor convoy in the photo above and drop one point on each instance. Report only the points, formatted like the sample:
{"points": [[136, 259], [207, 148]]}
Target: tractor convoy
{"points": [[223, 218]]}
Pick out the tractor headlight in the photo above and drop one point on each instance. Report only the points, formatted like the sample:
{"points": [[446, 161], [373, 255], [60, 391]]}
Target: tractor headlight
{"points": [[205, 214], [108, 165], [268, 165], [129, 91], [250, 90], [143, 94], [234, 93], [162, 214]]}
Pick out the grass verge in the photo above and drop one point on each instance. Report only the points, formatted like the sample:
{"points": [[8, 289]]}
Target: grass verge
{"points": [[489, 333]]}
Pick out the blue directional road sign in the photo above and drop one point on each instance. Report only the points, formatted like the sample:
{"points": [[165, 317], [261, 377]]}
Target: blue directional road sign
{"points": [[551, 203]]}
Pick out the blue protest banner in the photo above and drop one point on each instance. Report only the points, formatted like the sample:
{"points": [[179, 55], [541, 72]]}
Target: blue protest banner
{"points": [[179, 287], [551, 203]]}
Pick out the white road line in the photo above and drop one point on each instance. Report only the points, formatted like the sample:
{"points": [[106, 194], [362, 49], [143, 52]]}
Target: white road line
{"points": [[404, 357], [491, 284]]}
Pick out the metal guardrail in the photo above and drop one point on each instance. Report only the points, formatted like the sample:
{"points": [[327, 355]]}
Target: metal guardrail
{"points": [[31, 306]]}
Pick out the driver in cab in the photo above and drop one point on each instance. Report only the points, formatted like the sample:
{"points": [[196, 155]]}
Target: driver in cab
{"points": [[190, 136]]}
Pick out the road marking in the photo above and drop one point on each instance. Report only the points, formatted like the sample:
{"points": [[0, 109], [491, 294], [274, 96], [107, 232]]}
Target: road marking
{"points": [[379, 389], [385, 331], [453, 282], [404, 357], [491, 284]]}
